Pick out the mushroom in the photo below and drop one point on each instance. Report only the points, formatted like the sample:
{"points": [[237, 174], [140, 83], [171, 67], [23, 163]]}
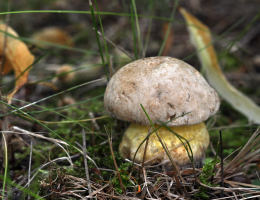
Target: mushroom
{"points": [[171, 92], [55, 35]]}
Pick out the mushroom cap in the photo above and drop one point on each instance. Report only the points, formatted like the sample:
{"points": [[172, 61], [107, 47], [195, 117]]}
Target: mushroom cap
{"points": [[169, 89]]}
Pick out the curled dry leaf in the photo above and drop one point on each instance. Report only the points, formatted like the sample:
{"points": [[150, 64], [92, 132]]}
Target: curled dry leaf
{"points": [[201, 38], [16, 56], [52, 35]]}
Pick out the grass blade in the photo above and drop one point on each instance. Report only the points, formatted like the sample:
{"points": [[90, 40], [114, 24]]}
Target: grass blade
{"points": [[138, 32], [94, 21], [168, 28], [5, 165], [134, 32], [104, 42]]}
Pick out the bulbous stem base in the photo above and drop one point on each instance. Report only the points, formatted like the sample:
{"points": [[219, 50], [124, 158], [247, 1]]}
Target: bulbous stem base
{"points": [[196, 138]]}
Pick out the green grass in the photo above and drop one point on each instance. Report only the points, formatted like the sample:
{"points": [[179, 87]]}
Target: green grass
{"points": [[66, 122]]}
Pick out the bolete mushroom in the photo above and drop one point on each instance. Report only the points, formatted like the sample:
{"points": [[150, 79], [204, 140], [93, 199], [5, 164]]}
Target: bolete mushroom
{"points": [[171, 91]]}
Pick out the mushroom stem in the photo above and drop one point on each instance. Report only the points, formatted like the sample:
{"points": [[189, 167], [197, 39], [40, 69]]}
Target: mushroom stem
{"points": [[196, 135]]}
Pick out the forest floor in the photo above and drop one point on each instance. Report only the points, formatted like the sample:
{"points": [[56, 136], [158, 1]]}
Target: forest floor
{"points": [[58, 141]]}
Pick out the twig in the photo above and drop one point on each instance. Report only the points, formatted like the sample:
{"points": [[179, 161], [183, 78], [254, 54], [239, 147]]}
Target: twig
{"points": [[103, 195], [96, 191], [25, 132], [85, 161], [228, 189], [235, 196], [243, 184], [212, 149], [93, 162], [114, 160], [145, 183], [239, 195], [93, 120]]}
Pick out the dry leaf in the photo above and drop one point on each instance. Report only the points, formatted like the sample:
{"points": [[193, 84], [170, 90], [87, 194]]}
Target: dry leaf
{"points": [[201, 38], [17, 57], [52, 35]]}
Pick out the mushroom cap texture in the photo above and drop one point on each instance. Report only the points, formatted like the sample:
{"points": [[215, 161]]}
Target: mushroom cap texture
{"points": [[169, 89]]}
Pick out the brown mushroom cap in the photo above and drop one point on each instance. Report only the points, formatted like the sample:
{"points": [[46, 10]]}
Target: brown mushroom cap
{"points": [[169, 90]]}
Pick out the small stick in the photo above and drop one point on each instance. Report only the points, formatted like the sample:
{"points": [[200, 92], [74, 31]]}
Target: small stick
{"points": [[235, 195], [85, 160], [93, 120], [145, 185], [221, 157], [115, 163]]}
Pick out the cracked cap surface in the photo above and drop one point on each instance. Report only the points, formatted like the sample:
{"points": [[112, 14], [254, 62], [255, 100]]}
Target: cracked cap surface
{"points": [[169, 90]]}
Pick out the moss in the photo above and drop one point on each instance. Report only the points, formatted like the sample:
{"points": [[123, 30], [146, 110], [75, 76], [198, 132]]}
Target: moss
{"points": [[125, 177], [208, 171]]}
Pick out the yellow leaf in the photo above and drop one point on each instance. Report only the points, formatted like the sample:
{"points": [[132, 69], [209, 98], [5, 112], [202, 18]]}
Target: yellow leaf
{"points": [[17, 57], [201, 38]]}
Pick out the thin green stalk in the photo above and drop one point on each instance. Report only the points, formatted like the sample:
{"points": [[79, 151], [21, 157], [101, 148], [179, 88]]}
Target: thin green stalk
{"points": [[6, 165], [168, 28], [96, 32], [61, 108], [134, 32], [188, 149], [148, 35], [104, 41], [184, 142], [114, 159], [162, 143], [81, 12], [165, 148], [138, 32]]}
